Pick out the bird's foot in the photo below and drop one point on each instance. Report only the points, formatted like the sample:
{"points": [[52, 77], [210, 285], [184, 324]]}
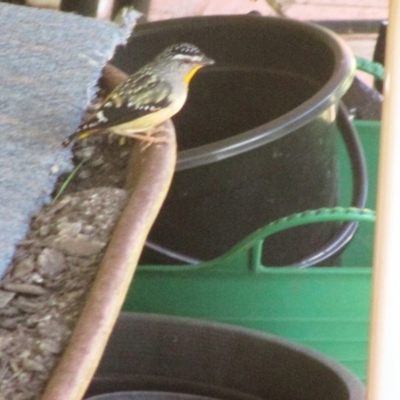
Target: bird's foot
{"points": [[147, 137]]}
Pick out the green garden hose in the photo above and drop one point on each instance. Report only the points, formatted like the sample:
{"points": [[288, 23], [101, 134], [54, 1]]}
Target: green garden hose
{"points": [[254, 241], [373, 68]]}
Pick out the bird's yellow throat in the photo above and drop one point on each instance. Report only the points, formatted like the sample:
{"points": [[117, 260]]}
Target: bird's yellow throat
{"points": [[190, 75]]}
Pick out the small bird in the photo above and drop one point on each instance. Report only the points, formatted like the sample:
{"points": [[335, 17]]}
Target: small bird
{"points": [[147, 98]]}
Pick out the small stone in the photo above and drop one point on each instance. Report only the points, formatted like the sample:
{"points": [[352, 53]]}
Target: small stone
{"points": [[5, 298], [51, 346], [34, 365], [27, 305], [4, 340], [50, 327], [80, 246], [23, 378], [31, 321], [9, 311], [88, 229], [44, 230], [36, 278], [97, 162], [21, 396], [8, 323], [24, 288], [62, 219], [23, 268], [70, 229], [84, 174], [60, 204], [85, 153], [51, 262]]}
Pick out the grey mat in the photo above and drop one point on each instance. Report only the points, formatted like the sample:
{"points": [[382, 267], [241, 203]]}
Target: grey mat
{"points": [[49, 65]]}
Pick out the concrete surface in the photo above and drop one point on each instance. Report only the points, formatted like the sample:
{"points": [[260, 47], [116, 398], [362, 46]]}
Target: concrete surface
{"points": [[50, 64], [298, 9]]}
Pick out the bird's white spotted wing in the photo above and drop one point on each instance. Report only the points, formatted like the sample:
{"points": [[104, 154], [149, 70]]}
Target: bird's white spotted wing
{"points": [[141, 94]]}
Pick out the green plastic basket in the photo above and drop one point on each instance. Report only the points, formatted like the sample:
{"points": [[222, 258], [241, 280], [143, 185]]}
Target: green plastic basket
{"points": [[324, 308]]}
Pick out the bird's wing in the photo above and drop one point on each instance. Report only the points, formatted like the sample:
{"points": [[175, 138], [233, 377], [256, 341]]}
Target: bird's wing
{"points": [[141, 94]]}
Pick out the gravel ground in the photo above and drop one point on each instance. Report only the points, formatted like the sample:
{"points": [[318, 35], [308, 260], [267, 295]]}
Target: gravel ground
{"points": [[54, 266]]}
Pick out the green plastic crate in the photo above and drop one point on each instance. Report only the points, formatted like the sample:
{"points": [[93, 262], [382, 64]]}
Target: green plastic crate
{"points": [[324, 308]]}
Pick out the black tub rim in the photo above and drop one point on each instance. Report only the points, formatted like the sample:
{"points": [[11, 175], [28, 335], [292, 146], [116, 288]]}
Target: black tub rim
{"points": [[196, 326], [328, 96], [148, 395]]}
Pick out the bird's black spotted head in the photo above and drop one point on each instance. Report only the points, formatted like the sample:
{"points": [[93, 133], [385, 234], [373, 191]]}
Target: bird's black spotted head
{"points": [[185, 53]]}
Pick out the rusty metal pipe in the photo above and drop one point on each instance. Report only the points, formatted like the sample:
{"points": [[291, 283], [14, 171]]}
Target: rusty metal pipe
{"points": [[149, 179]]}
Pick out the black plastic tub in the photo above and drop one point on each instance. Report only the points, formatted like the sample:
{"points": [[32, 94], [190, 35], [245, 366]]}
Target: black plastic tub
{"points": [[169, 358], [257, 136]]}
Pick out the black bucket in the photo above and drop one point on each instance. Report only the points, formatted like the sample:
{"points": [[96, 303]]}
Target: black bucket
{"points": [[169, 358], [257, 136]]}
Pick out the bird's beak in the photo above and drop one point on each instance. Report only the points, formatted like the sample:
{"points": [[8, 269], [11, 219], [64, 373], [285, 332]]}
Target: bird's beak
{"points": [[207, 61]]}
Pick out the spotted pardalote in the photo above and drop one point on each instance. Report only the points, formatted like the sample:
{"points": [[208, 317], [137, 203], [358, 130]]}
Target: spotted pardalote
{"points": [[147, 98]]}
